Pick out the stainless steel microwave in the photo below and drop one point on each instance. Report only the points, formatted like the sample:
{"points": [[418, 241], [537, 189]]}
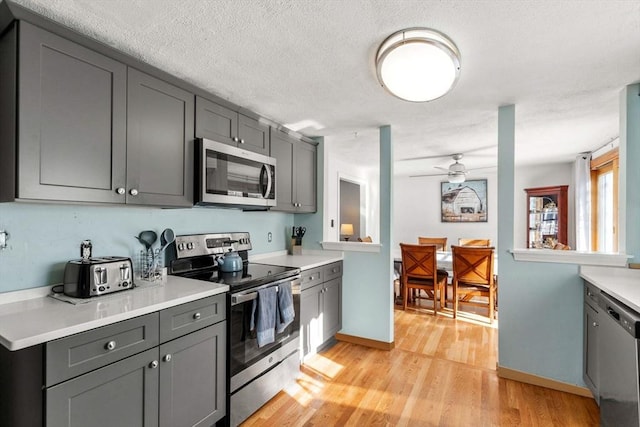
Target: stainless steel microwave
{"points": [[233, 177]]}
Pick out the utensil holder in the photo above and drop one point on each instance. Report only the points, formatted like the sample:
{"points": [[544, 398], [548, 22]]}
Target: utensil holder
{"points": [[295, 248], [150, 265]]}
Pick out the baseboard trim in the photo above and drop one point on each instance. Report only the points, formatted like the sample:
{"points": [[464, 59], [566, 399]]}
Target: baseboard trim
{"points": [[366, 342], [523, 377]]}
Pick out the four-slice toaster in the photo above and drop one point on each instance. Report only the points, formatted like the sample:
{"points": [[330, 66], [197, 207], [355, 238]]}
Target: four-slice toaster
{"points": [[84, 278]]}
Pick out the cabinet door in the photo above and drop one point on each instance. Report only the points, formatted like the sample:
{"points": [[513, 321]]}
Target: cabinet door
{"points": [[193, 378], [331, 308], [124, 393], [160, 142], [72, 120], [310, 328], [590, 358], [282, 150], [215, 122], [254, 136], [304, 173]]}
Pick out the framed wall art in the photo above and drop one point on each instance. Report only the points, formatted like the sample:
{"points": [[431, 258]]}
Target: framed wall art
{"points": [[465, 201]]}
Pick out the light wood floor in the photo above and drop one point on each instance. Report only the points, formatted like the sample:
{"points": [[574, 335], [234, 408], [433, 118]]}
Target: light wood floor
{"points": [[441, 373]]}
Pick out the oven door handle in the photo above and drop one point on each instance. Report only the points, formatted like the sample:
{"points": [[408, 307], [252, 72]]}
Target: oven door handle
{"points": [[239, 299]]}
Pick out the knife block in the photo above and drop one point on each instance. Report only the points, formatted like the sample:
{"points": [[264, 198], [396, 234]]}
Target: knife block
{"points": [[295, 249]]}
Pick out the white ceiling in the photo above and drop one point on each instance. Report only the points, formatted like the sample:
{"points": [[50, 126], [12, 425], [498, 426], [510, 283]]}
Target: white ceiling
{"points": [[310, 64]]}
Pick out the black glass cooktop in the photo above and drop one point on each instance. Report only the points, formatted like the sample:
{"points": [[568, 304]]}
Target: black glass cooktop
{"points": [[252, 275]]}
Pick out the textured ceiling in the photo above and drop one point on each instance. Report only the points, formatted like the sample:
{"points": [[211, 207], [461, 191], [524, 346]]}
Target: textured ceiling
{"points": [[309, 64]]}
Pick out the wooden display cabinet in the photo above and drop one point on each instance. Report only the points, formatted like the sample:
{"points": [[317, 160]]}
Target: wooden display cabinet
{"points": [[546, 216]]}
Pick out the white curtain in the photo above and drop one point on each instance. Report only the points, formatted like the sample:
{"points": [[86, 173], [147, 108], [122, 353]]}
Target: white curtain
{"points": [[582, 180]]}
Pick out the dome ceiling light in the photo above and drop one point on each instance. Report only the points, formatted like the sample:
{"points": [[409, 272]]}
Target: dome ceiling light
{"points": [[418, 64]]}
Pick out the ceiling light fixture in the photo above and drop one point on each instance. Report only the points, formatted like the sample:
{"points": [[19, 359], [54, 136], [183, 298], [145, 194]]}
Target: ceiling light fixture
{"points": [[418, 64], [456, 177]]}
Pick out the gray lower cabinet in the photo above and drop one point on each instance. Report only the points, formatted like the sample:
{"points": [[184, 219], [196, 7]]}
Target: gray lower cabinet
{"points": [[192, 378], [591, 332], [124, 393], [118, 375], [296, 183], [320, 307], [221, 124]]}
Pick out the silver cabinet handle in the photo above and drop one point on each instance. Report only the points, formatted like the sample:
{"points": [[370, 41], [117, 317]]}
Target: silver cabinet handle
{"points": [[196, 316], [120, 190], [167, 358], [595, 324], [154, 364], [133, 192], [234, 139], [241, 141], [110, 345]]}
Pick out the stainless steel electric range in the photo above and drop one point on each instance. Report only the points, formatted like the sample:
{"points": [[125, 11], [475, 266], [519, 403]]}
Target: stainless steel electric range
{"points": [[255, 373]]}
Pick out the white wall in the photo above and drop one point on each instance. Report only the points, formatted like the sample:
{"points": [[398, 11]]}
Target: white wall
{"points": [[417, 207], [541, 176]]}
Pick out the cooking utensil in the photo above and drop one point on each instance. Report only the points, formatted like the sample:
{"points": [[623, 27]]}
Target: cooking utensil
{"points": [[166, 238], [147, 238]]}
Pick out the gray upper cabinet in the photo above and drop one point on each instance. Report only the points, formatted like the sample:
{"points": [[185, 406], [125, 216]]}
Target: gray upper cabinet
{"points": [[71, 120], [221, 124], [159, 142], [295, 173]]}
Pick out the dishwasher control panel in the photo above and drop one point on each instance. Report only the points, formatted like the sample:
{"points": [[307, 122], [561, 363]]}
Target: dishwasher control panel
{"points": [[626, 317]]}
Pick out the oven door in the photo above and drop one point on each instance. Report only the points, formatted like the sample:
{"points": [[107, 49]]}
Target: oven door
{"points": [[243, 344], [229, 175]]}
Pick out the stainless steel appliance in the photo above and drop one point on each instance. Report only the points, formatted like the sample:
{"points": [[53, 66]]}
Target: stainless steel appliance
{"points": [[618, 360], [88, 277], [256, 374], [231, 176]]}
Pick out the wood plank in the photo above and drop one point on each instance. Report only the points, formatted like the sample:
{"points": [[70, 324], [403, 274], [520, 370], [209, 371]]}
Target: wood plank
{"points": [[442, 372]]}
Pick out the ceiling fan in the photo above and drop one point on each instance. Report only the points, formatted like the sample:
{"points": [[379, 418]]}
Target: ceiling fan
{"points": [[456, 172]]}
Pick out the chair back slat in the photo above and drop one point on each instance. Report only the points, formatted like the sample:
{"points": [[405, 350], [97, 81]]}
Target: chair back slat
{"points": [[440, 242]]}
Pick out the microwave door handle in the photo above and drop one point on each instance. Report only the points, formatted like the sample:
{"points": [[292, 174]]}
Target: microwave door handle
{"points": [[267, 169]]}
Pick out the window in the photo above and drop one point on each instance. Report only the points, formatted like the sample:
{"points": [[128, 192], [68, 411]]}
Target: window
{"points": [[604, 207]]}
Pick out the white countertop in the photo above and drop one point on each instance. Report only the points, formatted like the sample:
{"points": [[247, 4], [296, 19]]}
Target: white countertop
{"points": [[37, 320], [303, 262], [621, 283]]}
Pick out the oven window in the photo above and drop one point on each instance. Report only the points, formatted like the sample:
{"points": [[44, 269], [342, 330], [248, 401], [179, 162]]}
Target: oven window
{"points": [[244, 350]]}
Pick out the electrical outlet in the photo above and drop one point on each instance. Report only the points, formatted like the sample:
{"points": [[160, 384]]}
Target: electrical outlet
{"points": [[269, 237], [3, 239]]}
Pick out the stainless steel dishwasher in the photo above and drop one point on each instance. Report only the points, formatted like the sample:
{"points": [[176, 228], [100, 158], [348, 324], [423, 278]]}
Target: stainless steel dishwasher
{"points": [[618, 363]]}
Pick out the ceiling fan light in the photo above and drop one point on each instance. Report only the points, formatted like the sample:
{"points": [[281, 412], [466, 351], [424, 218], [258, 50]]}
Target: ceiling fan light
{"points": [[457, 168], [456, 178], [418, 64]]}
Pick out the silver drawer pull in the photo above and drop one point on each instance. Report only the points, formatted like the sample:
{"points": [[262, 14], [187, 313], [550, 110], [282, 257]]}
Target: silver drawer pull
{"points": [[154, 364], [196, 316], [167, 358], [110, 345]]}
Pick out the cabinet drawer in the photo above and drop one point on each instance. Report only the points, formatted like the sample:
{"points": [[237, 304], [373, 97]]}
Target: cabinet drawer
{"points": [[591, 295], [332, 271], [309, 278], [77, 354], [183, 319]]}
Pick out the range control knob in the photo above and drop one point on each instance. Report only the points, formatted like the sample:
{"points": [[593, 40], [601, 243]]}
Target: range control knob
{"points": [[190, 245], [181, 247]]}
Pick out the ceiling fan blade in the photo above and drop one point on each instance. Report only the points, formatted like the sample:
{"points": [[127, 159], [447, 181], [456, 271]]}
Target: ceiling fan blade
{"points": [[484, 167], [440, 156], [429, 174], [441, 168]]}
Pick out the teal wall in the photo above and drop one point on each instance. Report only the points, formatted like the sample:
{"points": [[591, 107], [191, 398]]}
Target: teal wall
{"points": [[367, 294], [43, 237], [541, 303]]}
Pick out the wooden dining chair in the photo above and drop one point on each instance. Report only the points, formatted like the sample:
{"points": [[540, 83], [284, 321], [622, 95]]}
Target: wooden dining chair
{"points": [[440, 242], [473, 276], [420, 272], [480, 243]]}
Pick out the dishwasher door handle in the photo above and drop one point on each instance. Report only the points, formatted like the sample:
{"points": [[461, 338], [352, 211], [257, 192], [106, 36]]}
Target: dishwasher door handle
{"points": [[613, 313]]}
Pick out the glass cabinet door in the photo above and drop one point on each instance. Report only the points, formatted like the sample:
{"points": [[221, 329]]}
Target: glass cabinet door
{"points": [[547, 217]]}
